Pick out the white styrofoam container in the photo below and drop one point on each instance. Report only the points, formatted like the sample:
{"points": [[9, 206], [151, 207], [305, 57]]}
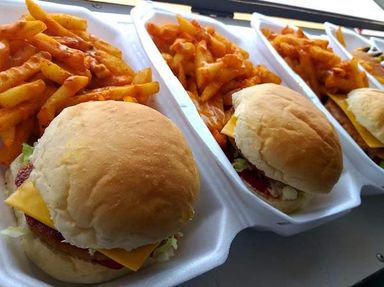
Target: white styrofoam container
{"points": [[371, 173], [256, 213], [207, 238], [377, 43], [352, 41]]}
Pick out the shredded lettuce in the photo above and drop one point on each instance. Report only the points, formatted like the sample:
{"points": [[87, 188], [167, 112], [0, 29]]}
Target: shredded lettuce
{"points": [[26, 151], [240, 164], [381, 164], [14, 231], [166, 249]]}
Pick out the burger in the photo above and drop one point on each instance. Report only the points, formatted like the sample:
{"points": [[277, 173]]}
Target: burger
{"points": [[282, 146], [361, 115], [106, 190]]}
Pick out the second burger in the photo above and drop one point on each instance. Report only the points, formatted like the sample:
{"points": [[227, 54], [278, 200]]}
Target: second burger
{"points": [[282, 146]]}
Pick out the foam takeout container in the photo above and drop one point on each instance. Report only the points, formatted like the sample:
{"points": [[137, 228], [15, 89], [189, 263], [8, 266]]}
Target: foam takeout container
{"points": [[226, 206], [370, 173], [352, 41], [256, 213]]}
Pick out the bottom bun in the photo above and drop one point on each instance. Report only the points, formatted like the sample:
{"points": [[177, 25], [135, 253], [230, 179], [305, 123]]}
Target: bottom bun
{"points": [[57, 264], [286, 206], [66, 267]]}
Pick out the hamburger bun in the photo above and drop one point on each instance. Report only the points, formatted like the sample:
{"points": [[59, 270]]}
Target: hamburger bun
{"points": [[367, 105], [113, 175], [287, 137], [62, 266]]}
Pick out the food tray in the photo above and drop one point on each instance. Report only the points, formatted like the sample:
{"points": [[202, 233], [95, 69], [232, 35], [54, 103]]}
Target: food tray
{"points": [[345, 194], [371, 174], [225, 206], [352, 40], [206, 239]]}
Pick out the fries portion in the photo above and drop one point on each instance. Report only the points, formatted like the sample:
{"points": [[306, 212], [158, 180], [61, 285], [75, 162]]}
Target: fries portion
{"points": [[316, 63], [210, 68], [49, 62]]}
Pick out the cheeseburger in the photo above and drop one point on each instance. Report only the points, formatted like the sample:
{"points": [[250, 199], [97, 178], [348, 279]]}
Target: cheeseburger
{"points": [[283, 147], [361, 113], [106, 190]]}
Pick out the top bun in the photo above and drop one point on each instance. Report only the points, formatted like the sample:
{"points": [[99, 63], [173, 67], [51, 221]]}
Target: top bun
{"points": [[115, 175], [367, 105], [283, 134]]}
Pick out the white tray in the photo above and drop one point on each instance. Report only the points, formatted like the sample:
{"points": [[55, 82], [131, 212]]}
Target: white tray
{"points": [[353, 41], [256, 213], [206, 239], [371, 174]]}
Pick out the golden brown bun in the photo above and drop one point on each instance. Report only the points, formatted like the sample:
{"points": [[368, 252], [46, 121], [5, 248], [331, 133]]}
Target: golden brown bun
{"points": [[367, 105], [283, 134], [62, 266], [115, 175]]}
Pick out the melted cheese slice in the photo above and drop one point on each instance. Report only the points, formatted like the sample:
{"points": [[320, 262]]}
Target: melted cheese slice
{"points": [[229, 128], [371, 141], [28, 200]]}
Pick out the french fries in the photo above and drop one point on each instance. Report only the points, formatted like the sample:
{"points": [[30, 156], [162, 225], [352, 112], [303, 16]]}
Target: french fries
{"points": [[210, 68], [56, 101], [22, 133], [54, 27], [17, 75], [4, 54], [53, 71], [8, 136], [21, 30], [72, 57], [316, 63], [69, 22], [49, 62], [22, 93]]}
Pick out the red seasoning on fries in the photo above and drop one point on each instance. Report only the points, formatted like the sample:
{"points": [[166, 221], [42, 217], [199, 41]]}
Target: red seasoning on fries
{"points": [[335, 82], [210, 67], [49, 62]]}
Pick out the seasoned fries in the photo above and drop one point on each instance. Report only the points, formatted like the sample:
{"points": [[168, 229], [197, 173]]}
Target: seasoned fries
{"points": [[22, 93], [210, 68], [49, 62], [17, 75], [21, 30], [316, 63]]}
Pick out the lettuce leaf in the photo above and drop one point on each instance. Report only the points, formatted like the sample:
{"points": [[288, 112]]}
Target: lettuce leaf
{"points": [[166, 249], [26, 151], [14, 231], [240, 164]]}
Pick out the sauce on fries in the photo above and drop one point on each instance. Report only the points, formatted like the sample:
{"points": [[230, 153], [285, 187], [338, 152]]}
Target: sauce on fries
{"points": [[210, 68], [49, 62]]}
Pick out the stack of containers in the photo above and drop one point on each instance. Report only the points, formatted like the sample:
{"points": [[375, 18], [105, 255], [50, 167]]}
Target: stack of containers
{"points": [[226, 205]]}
